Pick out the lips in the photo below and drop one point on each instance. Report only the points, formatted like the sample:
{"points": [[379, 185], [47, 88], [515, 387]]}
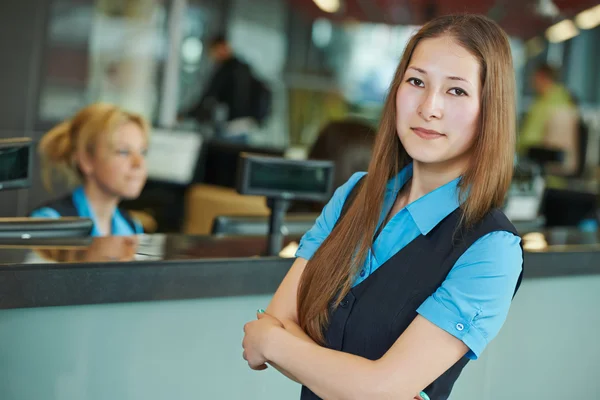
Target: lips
{"points": [[135, 177], [427, 134]]}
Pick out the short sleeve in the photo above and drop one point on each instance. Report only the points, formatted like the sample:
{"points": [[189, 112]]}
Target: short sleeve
{"points": [[324, 224], [473, 301], [45, 212]]}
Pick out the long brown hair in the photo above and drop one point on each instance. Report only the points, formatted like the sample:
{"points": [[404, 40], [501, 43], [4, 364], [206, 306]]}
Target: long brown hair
{"points": [[59, 147], [329, 274]]}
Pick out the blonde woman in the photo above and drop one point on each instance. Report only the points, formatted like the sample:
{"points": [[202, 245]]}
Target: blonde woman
{"points": [[410, 270], [102, 149]]}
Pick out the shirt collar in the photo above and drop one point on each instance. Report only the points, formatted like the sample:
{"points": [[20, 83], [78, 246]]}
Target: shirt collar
{"points": [[85, 211], [81, 204], [431, 209]]}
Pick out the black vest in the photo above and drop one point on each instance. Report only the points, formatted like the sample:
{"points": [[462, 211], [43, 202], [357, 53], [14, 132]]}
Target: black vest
{"points": [[66, 208], [376, 312]]}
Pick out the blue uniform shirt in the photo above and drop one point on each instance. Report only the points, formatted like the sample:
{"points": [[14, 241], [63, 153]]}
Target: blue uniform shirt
{"points": [[473, 301], [120, 227]]}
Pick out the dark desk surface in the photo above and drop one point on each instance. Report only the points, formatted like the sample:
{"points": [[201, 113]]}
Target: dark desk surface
{"points": [[149, 248], [167, 267], [159, 247]]}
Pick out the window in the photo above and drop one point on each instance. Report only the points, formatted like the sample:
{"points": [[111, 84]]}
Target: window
{"points": [[103, 50]]}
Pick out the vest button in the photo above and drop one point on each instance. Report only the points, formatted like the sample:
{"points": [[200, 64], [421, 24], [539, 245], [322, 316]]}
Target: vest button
{"points": [[344, 303], [362, 273]]}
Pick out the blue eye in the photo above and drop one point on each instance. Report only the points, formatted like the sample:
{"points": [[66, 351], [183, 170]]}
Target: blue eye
{"points": [[458, 92], [123, 152], [415, 82]]}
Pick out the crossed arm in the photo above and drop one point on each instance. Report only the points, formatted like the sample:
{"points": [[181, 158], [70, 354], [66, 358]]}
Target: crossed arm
{"points": [[421, 354]]}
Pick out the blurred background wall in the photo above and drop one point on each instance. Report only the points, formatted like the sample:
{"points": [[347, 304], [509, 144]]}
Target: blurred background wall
{"points": [[151, 56]]}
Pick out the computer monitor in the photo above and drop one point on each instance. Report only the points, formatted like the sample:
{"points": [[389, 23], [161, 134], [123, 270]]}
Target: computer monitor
{"points": [[280, 178], [44, 228], [293, 225], [173, 155], [564, 207], [218, 164], [16, 161], [525, 195]]}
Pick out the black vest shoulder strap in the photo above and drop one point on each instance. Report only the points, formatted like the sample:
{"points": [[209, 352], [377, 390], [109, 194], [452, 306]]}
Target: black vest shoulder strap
{"points": [[63, 205]]}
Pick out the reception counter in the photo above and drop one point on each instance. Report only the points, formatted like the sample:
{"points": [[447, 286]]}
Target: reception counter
{"points": [[176, 267], [160, 317]]}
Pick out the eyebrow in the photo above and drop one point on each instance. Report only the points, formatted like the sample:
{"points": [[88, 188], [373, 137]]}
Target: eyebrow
{"points": [[453, 78]]}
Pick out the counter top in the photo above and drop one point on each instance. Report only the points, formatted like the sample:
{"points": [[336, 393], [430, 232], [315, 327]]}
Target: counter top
{"points": [[170, 267]]}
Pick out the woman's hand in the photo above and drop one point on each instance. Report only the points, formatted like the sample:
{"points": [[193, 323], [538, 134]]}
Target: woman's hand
{"points": [[256, 338]]}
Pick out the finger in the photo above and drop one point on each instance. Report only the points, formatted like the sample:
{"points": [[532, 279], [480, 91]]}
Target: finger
{"points": [[271, 318], [266, 316]]}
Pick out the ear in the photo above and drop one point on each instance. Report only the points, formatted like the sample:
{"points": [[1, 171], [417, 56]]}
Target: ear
{"points": [[85, 163]]}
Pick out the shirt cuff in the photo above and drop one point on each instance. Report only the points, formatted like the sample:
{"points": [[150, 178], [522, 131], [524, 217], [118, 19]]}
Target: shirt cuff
{"points": [[457, 326]]}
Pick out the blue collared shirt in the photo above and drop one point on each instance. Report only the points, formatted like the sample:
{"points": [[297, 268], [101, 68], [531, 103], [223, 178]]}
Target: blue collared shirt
{"points": [[473, 302], [120, 226]]}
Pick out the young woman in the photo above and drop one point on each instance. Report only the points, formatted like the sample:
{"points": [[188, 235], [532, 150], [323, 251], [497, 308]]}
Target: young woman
{"points": [[410, 270], [103, 148]]}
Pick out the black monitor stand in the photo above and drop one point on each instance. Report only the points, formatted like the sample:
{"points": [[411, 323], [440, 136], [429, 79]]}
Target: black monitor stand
{"points": [[278, 208], [282, 180]]}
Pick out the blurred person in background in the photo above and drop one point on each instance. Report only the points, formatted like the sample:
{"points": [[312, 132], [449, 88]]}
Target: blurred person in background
{"points": [[103, 149], [234, 90], [552, 123], [410, 270], [349, 144]]}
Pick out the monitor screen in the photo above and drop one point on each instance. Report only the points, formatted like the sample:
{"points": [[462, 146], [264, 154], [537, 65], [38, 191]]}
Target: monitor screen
{"points": [[289, 178], [283, 178], [15, 163], [172, 156], [44, 228]]}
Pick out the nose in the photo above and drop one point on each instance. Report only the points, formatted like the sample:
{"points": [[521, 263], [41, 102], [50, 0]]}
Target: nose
{"points": [[137, 160], [431, 106]]}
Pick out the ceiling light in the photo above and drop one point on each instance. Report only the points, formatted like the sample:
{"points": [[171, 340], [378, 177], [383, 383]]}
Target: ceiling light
{"points": [[191, 50], [559, 32], [589, 18], [547, 9], [329, 6]]}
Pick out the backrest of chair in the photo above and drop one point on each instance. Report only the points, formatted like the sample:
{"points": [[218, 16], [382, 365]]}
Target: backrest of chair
{"points": [[203, 203]]}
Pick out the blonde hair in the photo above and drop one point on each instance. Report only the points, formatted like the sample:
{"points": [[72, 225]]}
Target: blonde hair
{"points": [[59, 147], [329, 274]]}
